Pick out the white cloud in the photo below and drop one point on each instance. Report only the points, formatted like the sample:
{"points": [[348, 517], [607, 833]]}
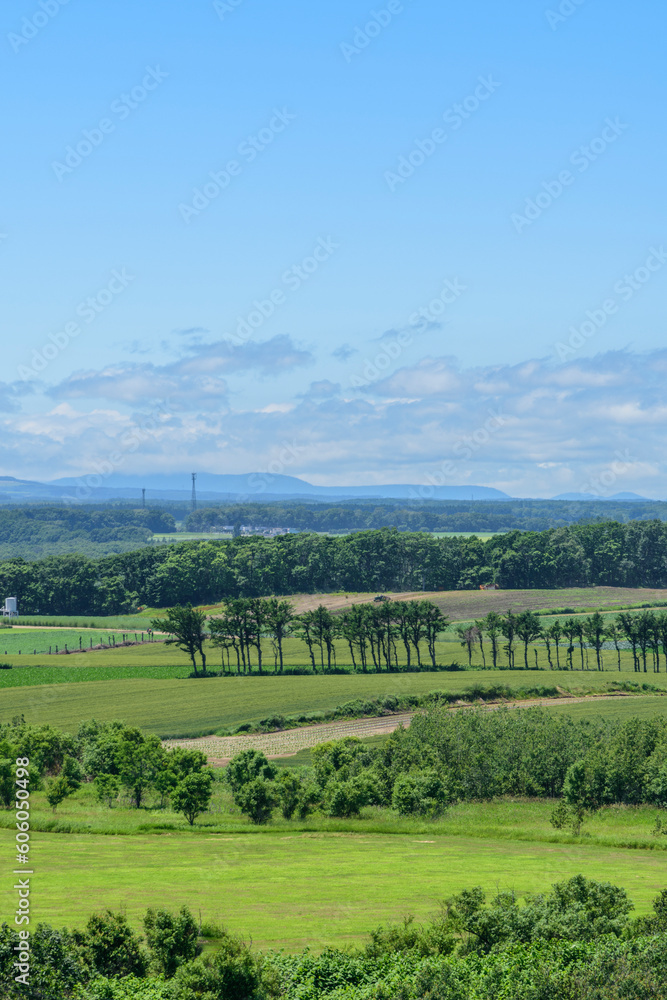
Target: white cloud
{"points": [[532, 429], [194, 380]]}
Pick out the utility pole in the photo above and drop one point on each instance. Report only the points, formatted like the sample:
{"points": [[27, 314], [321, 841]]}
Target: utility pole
{"points": [[194, 491], [143, 498]]}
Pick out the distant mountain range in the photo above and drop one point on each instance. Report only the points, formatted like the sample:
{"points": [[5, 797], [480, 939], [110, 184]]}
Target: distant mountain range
{"points": [[258, 486], [242, 489], [253, 487]]}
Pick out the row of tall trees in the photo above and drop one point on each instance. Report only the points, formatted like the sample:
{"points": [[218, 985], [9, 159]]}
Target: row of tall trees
{"points": [[568, 641], [633, 555], [374, 633], [379, 635]]}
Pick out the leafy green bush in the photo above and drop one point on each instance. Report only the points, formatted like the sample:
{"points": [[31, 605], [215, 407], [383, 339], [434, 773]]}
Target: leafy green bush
{"points": [[420, 794], [257, 800], [107, 787], [111, 947], [345, 799], [172, 940], [232, 973], [246, 766]]}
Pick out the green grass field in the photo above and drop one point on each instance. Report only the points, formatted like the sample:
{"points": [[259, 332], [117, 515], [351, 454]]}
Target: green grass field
{"points": [[505, 819], [294, 890], [191, 536], [38, 642], [448, 651], [321, 881], [139, 621], [647, 707]]}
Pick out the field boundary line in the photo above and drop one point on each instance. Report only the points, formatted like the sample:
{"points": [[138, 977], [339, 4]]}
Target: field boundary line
{"points": [[288, 742]]}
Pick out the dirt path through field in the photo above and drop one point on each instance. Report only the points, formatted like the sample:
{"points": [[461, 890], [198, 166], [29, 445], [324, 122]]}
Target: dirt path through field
{"points": [[288, 742]]}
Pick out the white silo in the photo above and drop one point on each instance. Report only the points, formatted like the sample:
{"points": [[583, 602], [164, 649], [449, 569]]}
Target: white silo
{"points": [[11, 608]]}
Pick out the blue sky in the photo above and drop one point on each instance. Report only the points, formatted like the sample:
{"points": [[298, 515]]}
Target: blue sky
{"points": [[360, 230]]}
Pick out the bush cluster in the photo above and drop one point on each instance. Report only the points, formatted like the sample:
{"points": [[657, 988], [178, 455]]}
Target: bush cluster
{"points": [[472, 755], [115, 757]]}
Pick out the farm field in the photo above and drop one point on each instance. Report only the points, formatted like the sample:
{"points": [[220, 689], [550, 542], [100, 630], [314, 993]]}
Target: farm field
{"points": [[616, 709], [33, 642], [180, 708], [294, 741], [292, 890], [173, 708], [449, 651], [463, 605], [482, 535], [117, 623], [190, 536], [459, 605]]}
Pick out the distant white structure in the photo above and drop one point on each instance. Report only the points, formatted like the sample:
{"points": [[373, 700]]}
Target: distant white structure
{"points": [[10, 609]]}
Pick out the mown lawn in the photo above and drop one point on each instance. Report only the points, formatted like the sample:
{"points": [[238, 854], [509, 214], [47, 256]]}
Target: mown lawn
{"points": [[294, 890]]}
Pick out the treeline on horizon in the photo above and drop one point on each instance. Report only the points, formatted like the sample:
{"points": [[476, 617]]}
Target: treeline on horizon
{"points": [[207, 572], [35, 530], [423, 515]]}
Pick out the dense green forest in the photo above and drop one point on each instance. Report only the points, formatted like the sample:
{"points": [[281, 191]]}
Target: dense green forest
{"points": [[604, 554], [36, 531], [424, 515]]}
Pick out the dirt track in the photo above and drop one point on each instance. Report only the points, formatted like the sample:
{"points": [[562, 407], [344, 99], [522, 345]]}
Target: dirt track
{"points": [[288, 742]]}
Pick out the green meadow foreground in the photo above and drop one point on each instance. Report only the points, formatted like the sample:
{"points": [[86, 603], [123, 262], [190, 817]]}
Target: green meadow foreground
{"points": [[292, 888]]}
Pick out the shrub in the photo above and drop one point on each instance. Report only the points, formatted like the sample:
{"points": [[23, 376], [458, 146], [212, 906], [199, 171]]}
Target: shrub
{"points": [[57, 791], [257, 799], [107, 787], [246, 767], [421, 794], [193, 794], [231, 973], [172, 940], [289, 791], [7, 780], [111, 946], [346, 798]]}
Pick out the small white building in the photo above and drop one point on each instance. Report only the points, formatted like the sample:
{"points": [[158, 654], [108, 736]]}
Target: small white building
{"points": [[10, 608]]}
